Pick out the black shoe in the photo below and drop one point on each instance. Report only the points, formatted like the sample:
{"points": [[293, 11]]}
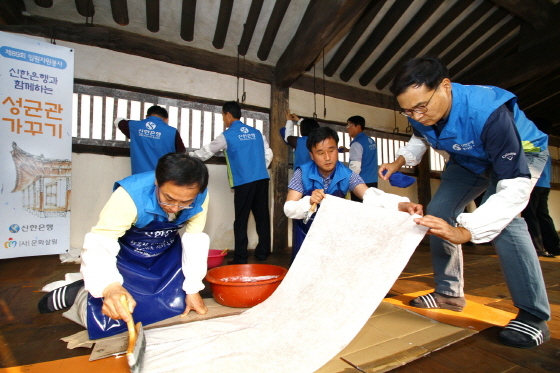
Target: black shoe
{"points": [[520, 334], [60, 298], [437, 301], [261, 259], [546, 254], [233, 261]]}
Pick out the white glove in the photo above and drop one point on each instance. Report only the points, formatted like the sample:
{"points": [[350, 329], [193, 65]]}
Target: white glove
{"points": [[378, 198], [297, 209]]}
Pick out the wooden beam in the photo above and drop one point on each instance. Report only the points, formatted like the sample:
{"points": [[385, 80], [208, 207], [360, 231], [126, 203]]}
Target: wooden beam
{"points": [[528, 64], [274, 22], [506, 49], [496, 37], [44, 3], [85, 8], [12, 12], [144, 46], [222, 25], [353, 36], [541, 89], [152, 15], [408, 31], [377, 35], [279, 103], [119, 9], [249, 26], [459, 30], [188, 12], [322, 22], [426, 39], [473, 36], [346, 92], [535, 12]]}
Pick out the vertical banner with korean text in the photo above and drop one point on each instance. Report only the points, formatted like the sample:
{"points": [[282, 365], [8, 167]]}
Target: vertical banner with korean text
{"points": [[36, 88]]}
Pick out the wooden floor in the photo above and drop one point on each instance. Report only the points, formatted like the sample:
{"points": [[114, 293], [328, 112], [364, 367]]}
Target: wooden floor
{"points": [[27, 337]]}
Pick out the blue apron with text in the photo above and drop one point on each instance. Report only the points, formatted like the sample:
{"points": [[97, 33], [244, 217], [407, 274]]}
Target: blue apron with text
{"points": [[150, 262]]}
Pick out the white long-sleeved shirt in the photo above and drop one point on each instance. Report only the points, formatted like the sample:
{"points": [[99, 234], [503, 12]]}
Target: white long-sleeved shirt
{"points": [[99, 262], [220, 143], [488, 220]]}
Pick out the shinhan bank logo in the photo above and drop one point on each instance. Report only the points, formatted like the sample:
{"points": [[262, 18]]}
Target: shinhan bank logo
{"points": [[10, 244]]}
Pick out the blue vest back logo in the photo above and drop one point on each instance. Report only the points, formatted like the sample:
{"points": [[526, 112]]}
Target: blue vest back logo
{"points": [[150, 125], [244, 129]]}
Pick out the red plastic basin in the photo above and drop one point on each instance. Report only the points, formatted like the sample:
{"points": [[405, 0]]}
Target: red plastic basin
{"points": [[215, 258], [244, 285]]}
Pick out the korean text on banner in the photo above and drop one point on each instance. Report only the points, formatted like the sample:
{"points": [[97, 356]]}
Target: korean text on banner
{"points": [[35, 146]]}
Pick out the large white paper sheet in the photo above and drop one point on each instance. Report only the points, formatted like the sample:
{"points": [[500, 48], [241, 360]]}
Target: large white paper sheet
{"points": [[351, 257]]}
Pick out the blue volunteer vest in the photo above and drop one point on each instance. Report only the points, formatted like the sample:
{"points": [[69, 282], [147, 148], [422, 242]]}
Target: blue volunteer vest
{"points": [[244, 154], [471, 107], [368, 170], [150, 261], [150, 139], [312, 179], [301, 154]]}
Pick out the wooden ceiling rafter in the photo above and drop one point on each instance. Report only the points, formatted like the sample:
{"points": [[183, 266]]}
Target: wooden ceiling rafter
{"points": [[188, 12], [85, 8], [249, 26], [119, 10], [519, 67], [535, 12], [222, 24], [450, 15], [474, 35], [354, 35], [504, 50], [272, 27], [375, 38], [152, 15], [487, 44], [322, 22], [460, 29], [12, 11], [143, 46], [540, 89], [408, 31], [44, 3]]}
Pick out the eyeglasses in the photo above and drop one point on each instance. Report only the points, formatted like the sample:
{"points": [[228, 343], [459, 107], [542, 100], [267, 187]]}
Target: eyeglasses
{"points": [[171, 204], [420, 109]]}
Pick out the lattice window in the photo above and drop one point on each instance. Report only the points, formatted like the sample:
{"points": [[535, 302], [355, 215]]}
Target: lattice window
{"points": [[95, 109]]}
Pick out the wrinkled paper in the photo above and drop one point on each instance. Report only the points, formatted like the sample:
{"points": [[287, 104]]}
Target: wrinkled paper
{"points": [[349, 261]]}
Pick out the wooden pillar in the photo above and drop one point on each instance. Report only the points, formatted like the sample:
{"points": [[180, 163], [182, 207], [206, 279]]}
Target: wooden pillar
{"points": [[424, 189], [279, 167]]}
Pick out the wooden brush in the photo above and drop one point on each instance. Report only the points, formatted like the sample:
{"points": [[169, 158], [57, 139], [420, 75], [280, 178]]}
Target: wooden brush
{"points": [[136, 342]]}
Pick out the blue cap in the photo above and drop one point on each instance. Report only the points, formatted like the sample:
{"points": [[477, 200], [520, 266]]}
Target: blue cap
{"points": [[400, 180]]}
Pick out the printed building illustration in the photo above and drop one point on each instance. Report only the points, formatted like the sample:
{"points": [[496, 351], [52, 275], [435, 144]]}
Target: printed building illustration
{"points": [[45, 184]]}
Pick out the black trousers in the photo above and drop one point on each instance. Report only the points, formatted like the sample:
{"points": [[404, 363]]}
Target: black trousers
{"points": [[540, 224], [251, 197], [353, 197]]}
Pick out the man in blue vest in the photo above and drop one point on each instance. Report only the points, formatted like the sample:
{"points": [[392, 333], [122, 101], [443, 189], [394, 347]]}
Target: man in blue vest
{"points": [[248, 157], [493, 149], [363, 153], [150, 139], [136, 251], [306, 125], [325, 175]]}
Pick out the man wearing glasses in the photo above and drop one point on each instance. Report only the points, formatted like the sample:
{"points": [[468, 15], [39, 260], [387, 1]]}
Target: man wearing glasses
{"points": [[493, 149], [136, 250]]}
